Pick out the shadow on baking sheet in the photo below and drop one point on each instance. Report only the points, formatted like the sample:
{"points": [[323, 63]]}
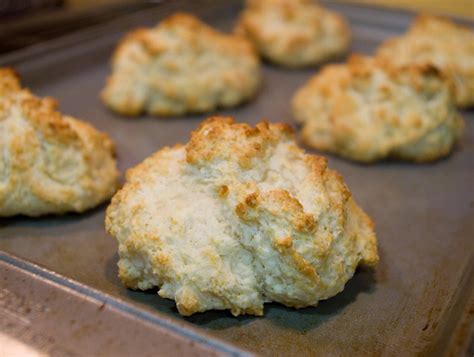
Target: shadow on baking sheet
{"points": [[299, 320], [304, 320], [50, 220]]}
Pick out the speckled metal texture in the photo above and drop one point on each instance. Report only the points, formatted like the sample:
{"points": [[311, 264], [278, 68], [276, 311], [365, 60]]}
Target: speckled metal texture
{"points": [[417, 301], [55, 316]]}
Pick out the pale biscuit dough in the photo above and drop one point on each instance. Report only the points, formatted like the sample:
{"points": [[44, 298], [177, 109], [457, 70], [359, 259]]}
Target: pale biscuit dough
{"points": [[367, 110], [294, 33], [237, 217], [181, 66], [440, 42], [49, 163]]}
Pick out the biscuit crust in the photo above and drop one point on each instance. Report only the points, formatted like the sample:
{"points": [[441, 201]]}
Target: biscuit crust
{"points": [[440, 42], [180, 66], [49, 163], [294, 33], [237, 217], [367, 110]]}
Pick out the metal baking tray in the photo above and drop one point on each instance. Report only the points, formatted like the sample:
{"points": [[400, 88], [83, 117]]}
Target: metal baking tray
{"points": [[59, 291]]}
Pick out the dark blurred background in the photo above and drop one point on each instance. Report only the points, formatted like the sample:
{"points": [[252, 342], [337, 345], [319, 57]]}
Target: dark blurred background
{"points": [[28, 22]]}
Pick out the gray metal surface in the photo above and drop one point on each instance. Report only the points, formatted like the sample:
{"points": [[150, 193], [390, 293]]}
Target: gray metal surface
{"points": [[54, 316], [416, 301]]}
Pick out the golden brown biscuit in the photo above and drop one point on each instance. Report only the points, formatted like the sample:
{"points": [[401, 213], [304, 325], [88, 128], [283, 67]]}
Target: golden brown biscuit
{"points": [[439, 42], [181, 66], [237, 217], [294, 33], [49, 163], [367, 110]]}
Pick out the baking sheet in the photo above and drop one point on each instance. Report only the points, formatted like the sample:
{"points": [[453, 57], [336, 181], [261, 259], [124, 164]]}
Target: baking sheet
{"points": [[412, 303]]}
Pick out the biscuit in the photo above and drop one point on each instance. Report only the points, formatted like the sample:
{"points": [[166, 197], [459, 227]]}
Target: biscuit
{"points": [[181, 66], [237, 217], [294, 33], [368, 110], [439, 42], [49, 163]]}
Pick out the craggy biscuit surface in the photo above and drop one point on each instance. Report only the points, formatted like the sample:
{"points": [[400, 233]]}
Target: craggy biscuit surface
{"points": [[440, 42], [367, 110], [49, 163], [294, 33], [238, 217], [181, 66]]}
